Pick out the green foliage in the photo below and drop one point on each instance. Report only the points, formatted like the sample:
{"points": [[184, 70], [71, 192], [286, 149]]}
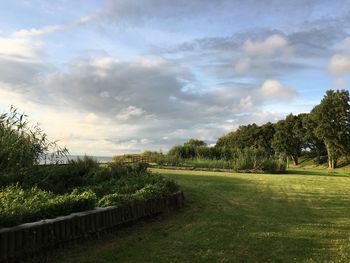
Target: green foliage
{"points": [[46, 191], [195, 143], [149, 191], [332, 118], [286, 141], [249, 136], [247, 159], [87, 174], [251, 159], [209, 163], [18, 205], [53, 190], [311, 143], [22, 146]]}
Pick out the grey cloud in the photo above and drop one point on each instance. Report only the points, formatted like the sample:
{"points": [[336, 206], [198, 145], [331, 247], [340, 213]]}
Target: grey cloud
{"points": [[180, 9], [149, 98], [224, 57], [144, 94], [20, 73]]}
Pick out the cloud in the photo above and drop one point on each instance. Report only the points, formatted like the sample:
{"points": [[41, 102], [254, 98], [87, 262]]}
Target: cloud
{"points": [[91, 118], [246, 103], [18, 48], [263, 53], [129, 112], [339, 64], [133, 100], [275, 90], [243, 65], [24, 33], [272, 45], [25, 36], [205, 79]]}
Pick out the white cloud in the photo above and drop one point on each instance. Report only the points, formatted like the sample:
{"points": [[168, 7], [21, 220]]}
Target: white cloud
{"points": [[129, 112], [21, 45], [275, 90], [104, 94], [272, 45], [91, 118], [339, 64], [34, 32], [19, 48], [28, 33]]}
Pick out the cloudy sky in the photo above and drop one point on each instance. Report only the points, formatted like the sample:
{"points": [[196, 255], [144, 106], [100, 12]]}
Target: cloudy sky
{"points": [[112, 77]]}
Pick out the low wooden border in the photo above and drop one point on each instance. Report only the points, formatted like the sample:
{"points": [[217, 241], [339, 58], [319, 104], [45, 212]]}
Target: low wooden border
{"points": [[30, 239]]}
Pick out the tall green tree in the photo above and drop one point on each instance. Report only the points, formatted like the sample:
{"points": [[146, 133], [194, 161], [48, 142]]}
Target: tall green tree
{"points": [[286, 141], [249, 136], [306, 131], [332, 117], [195, 143]]}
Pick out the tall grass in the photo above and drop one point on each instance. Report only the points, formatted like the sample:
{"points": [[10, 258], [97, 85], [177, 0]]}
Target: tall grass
{"points": [[248, 159], [21, 145]]}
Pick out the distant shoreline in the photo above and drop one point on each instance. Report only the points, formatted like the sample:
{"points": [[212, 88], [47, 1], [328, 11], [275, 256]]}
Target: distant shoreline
{"points": [[99, 159]]}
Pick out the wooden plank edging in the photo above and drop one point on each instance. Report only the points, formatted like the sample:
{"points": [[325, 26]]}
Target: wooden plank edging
{"points": [[30, 239]]}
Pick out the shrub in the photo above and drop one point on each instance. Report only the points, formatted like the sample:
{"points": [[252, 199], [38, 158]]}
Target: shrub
{"points": [[208, 163], [272, 165], [18, 205], [247, 159], [115, 199], [149, 191]]}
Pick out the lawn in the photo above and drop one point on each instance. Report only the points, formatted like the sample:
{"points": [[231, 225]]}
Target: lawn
{"points": [[303, 216]]}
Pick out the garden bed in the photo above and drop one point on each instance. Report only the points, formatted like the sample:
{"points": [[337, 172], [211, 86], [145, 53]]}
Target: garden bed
{"points": [[33, 239]]}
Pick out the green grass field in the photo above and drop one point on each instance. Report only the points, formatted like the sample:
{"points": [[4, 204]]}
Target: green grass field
{"points": [[303, 216]]}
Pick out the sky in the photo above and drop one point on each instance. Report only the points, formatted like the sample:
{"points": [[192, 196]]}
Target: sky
{"points": [[113, 77]]}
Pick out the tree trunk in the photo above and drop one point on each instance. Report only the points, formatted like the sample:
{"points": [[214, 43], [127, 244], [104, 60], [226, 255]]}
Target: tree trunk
{"points": [[332, 160], [295, 160]]}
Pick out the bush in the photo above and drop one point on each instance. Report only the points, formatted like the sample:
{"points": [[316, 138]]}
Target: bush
{"points": [[207, 163], [18, 205], [149, 191], [272, 165], [46, 191]]}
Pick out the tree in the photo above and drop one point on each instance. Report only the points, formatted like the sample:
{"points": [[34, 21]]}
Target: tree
{"points": [[286, 141], [311, 143], [267, 131], [249, 136], [332, 118], [195, 143]]}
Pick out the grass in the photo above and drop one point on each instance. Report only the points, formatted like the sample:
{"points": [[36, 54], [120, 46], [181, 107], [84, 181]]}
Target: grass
{"points": [[303, 216]]}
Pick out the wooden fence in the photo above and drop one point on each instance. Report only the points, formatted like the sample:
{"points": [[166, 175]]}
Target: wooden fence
{"points": [[34, 239]]}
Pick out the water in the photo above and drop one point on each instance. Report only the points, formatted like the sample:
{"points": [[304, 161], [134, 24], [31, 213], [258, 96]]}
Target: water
{"points": [[99, 159]]}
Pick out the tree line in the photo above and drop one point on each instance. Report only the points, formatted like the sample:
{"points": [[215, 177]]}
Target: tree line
{"points": [[324, 131]]}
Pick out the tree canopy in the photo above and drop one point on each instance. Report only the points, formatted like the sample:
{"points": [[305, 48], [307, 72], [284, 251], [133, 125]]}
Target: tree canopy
{"points": [[332, 118]]}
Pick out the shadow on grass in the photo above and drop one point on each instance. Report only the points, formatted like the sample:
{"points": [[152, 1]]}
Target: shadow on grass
{"points": [[323, 172]]}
